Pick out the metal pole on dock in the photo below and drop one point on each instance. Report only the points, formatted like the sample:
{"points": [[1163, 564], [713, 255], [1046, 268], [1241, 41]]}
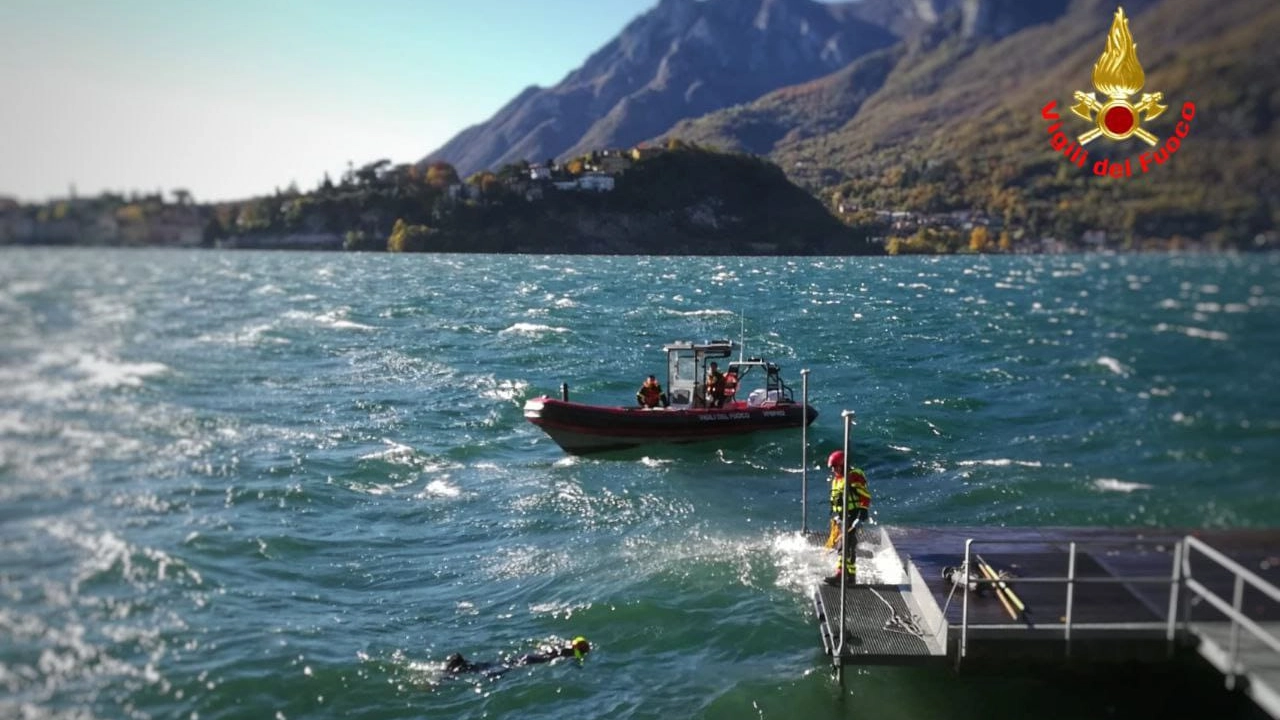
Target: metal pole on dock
{"points": [[1175, 594], [964, 608], [1071, 596], [848, 416], [804, 451]]}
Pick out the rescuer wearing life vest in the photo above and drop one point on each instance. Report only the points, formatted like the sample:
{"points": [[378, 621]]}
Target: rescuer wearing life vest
{"points": [[715, 386], [859, 497], [650, 394]]}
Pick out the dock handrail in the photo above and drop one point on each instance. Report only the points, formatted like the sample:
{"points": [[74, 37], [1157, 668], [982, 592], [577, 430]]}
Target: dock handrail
{"points": [[1181, 576], [1232, 610], [1070, 581]]}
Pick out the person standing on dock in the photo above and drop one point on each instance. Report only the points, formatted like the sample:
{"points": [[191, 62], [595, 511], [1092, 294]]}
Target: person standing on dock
{"points": [[845, 539]]}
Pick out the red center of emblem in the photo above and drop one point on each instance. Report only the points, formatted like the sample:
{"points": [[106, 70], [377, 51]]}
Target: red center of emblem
{"points": [[1119, 120]]}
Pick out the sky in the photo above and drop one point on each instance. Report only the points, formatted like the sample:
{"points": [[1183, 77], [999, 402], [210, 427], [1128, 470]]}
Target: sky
{"points": [[229, 99]]}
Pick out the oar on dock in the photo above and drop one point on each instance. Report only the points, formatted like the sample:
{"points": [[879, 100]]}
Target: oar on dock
{"points": [[1008, 598]]}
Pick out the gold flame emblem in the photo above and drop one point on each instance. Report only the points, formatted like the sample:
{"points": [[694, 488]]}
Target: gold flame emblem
{"points": [[1117, 75]]}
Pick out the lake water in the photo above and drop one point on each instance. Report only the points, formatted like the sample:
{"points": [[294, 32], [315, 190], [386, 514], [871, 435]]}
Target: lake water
{"points": [[288, 485]]}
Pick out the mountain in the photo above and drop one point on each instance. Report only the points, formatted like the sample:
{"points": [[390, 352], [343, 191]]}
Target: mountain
{"points": [[934, 106], [937, 36], [957, 125], [682, 59]]}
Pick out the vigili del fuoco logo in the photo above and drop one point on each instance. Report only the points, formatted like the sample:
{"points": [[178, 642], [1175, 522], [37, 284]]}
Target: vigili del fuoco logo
{"points": [[1117, 76]]}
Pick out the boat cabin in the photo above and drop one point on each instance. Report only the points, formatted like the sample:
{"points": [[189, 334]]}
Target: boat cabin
{"points": [[751, 380]]}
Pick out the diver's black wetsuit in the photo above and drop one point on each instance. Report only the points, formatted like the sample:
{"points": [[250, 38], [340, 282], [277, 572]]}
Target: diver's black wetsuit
{"points": [[456, 664], [542, 657]]}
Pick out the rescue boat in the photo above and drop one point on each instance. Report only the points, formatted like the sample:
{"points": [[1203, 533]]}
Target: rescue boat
{"points": [[755, 399]]}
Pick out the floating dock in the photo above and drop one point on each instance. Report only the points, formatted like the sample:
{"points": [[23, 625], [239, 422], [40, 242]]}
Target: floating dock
{"points": [[998, 595]]}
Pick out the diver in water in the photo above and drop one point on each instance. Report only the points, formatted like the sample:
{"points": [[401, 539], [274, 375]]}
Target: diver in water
{"points": [[577, 648]]}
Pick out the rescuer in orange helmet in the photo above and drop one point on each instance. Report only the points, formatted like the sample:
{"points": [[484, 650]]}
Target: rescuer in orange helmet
{"points": [[844, 537]]}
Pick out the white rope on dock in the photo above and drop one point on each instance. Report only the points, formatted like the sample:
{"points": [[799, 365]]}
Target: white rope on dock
{"points": [[897, 623]]}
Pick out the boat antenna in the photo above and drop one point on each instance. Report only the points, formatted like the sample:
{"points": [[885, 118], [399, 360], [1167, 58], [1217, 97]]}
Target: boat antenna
{"points": [[742, 334]]}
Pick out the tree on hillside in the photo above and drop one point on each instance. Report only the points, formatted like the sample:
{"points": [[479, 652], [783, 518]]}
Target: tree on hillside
{"points": [[488, 183], [979, 239], [214, 230], [371, 173], [257, 215], [514, 171], [441, 175], [131, 213], [408, 238], [359, 240]]}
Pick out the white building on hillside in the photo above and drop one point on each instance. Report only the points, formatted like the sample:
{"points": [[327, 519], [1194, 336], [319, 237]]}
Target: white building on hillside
{"points": [[596, 181]]}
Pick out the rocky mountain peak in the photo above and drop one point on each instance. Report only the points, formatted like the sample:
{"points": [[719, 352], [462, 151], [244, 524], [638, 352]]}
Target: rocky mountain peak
{"points": [[681, 59]]}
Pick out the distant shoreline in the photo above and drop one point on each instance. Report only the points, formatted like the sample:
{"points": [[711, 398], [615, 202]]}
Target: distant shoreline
{"points": [[679, 200]]}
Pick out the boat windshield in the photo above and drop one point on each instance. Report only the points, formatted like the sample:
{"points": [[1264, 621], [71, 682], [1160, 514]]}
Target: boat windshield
{"points": [[681, 378], [687, 363]]}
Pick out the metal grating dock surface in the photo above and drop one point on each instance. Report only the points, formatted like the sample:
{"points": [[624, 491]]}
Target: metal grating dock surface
{"points": [[867, 639]]}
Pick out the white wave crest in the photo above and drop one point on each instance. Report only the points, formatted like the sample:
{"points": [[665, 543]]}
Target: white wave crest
{"points": [[441, 488], [1194, 332], [1001, 462], [25, 287], [337, 320], [107, 552], [507, 390], [100, 372], [523, 328], [1113, 485], [394, 453], [559, 610], [249, 337], [697, 313], [1114, 366]]}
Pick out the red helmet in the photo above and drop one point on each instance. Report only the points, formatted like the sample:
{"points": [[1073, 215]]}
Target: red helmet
{"points": [[836, 459]]}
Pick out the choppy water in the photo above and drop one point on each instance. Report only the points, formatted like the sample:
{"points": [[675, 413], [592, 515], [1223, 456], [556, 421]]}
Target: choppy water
{"points": [[254, 485]]}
